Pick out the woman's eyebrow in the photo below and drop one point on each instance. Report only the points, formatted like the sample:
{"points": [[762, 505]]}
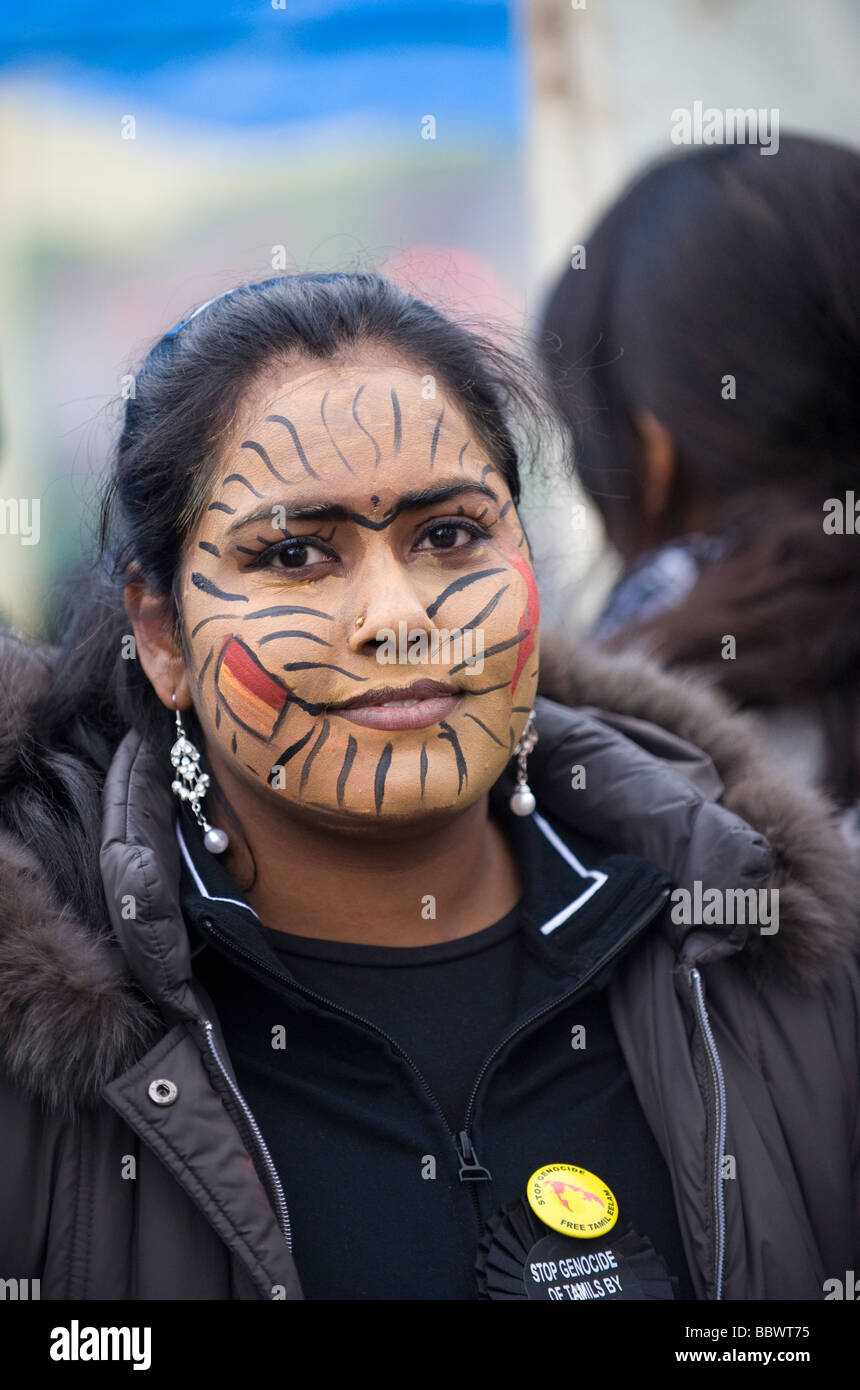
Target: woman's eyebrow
{"points": [[322, 510]]}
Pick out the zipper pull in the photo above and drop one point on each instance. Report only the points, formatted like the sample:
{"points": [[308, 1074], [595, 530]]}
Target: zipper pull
{"points": [[470, 1168]]}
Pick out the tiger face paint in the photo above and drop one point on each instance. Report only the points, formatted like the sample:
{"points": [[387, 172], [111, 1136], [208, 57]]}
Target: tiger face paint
{"points": [[349, 507]]}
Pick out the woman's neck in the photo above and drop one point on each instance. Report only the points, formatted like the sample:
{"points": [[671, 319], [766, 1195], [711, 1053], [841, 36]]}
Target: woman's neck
{"points": [[413, 886]]}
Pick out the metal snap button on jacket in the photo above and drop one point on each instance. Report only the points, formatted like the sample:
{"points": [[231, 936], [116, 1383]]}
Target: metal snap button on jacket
{"points": [[163, 1092]]}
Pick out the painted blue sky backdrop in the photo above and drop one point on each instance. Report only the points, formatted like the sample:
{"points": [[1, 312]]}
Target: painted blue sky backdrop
{"points": [[246, 65]]}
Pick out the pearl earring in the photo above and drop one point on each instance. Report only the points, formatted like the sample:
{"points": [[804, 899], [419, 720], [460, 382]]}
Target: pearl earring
{"points": [[191, 785], [522, 801]]}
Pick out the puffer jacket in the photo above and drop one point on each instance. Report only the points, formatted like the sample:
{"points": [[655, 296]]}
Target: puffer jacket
{"points": [[132, 1168]]}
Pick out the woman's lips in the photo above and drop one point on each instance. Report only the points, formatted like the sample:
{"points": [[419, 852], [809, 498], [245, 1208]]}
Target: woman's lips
{"points": [[416, 715], [416, 706]]}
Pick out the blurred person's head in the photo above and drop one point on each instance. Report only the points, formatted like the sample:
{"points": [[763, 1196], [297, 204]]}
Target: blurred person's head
{"points": [[706, 360]]}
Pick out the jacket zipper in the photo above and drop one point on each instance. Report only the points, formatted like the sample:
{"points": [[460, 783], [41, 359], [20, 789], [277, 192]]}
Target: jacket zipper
{"points": [[346, 1013], [274, 1180], [641, 921], [471, 1169], [719, 1099]]}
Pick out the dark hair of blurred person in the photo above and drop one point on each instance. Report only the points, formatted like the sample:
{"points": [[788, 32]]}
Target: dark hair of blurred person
{"points": [[723, 264]]}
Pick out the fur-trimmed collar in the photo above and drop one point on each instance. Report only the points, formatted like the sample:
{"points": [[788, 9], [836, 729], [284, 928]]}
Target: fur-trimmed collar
{"points": [[71, 1018], [814, 870]]}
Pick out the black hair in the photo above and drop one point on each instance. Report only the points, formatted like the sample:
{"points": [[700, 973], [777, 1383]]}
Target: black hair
{"points": [[87, 693], [714, 263], [717, 262]]}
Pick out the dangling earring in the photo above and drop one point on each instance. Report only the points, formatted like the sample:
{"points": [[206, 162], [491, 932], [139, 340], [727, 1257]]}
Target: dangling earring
{"points": [[192, 785], [522, 801]]}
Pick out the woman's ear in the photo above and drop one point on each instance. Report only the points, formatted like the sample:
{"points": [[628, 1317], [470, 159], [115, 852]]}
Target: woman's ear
{"points": [[162, 660], [660, 458]]}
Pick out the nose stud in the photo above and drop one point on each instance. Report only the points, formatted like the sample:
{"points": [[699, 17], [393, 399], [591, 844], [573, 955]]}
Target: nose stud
{"points": [[359, 622]]}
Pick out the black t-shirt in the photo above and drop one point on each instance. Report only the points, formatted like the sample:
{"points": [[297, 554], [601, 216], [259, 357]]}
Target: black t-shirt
{"points": [[443, 1004], [377, 1074]]}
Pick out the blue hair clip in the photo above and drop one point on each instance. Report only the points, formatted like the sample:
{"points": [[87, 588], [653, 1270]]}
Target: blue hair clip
{"points": [[173, 331]]}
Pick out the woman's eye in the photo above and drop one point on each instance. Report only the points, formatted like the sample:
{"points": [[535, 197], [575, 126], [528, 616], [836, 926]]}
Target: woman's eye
{"points": [[293, 554], [444, 536]]}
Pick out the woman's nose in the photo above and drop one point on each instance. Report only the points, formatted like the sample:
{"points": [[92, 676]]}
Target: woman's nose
{"points": [[387, 600]]}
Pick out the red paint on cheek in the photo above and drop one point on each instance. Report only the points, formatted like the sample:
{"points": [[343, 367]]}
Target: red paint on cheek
{"points": [[530, 618], [251, 693]]}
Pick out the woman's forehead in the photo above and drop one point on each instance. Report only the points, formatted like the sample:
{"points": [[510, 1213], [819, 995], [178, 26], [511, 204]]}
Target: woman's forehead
{"points": [[354, 424]]}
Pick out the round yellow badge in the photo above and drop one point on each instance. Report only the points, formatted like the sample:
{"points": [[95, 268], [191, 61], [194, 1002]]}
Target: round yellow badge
{"points": [[572, 1200]]}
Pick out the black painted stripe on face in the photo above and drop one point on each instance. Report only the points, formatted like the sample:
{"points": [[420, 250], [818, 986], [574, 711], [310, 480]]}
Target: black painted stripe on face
{"points": [[462, 770], [488, 468], [505, 509], [221, 507], [217, 716], [381, 773], [395, 406], [488, 689], [344, 460], [205, 667], [321, 666], [292, 632], [483, 726], [362, 428], [233, 743], [286, 610], [457, 585], [212, 549], [435, 440], [201, 582], [348, 759], [306, 705], [294, 435], [493, 651], [216, 617], [511, 739], [239, 478], [368, 521], [288, 753], [423, 768], [461, 453], [323, 735], [485, 611], [521, 709], [258, 449]]}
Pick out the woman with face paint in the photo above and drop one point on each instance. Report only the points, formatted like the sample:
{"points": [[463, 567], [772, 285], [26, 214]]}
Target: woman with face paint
{"points": [[391, 978]]}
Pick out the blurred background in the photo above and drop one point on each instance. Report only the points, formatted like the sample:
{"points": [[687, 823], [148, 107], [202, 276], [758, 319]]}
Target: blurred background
{"points": [[152, 156]]}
